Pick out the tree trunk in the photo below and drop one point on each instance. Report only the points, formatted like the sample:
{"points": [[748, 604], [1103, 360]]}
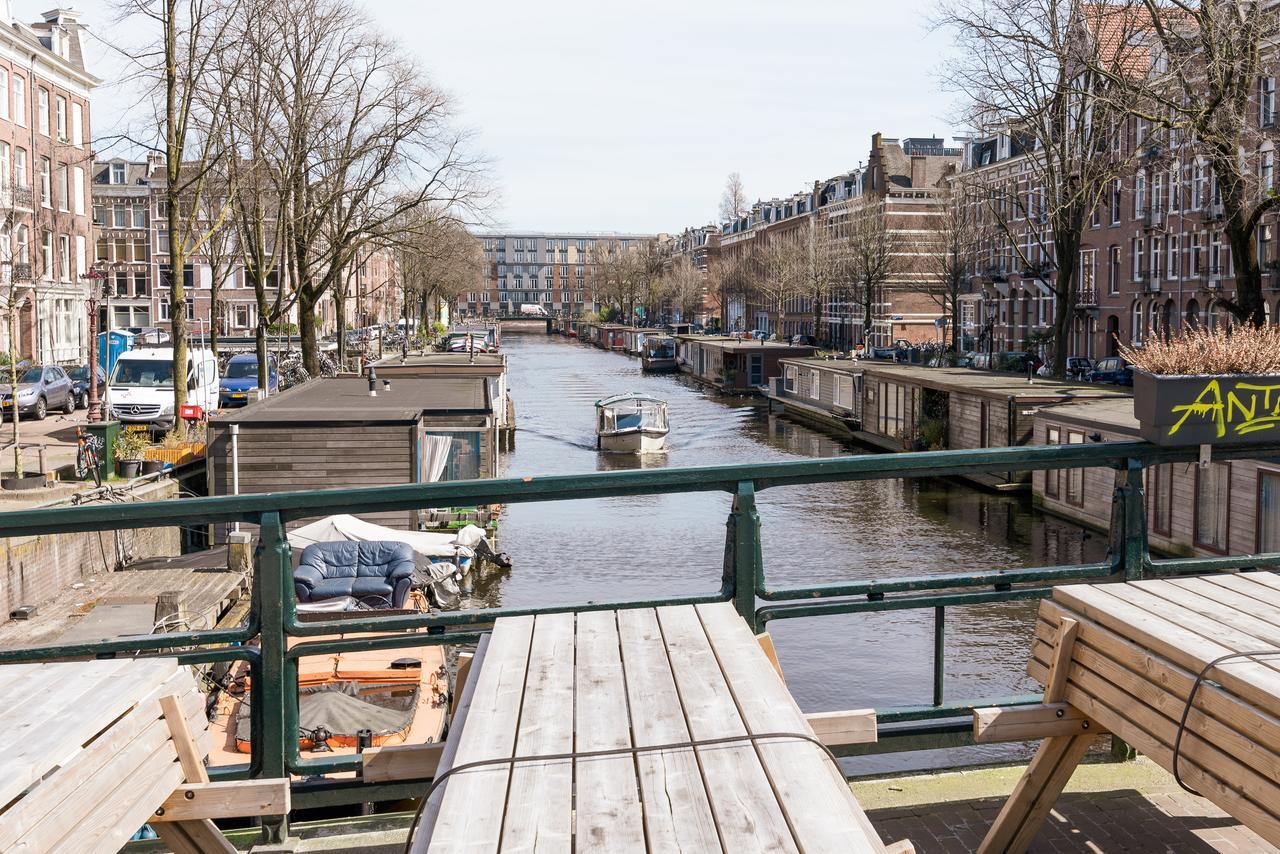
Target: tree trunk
{"points": [[177, 242], [1066, 253], [955, 318], [1249, 303], [340, 309], [307, 331], [13, 380]]}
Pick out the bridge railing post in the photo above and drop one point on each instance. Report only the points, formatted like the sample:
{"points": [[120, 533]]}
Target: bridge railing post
{"points": [[743, 564]]}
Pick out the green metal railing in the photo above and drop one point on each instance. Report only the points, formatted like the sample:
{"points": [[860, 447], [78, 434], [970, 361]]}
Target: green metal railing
{"points": [[282, 639]]}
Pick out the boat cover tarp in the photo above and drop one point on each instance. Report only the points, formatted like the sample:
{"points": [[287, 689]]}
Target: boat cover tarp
{"points": [[336, 707], [348, 528]]}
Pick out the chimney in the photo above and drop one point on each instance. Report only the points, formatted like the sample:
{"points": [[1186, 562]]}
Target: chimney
{"points": [[919, 170]]}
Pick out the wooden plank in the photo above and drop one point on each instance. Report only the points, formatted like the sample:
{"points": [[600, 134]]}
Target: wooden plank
{"points": [[74, 704], [820, 808], [1028, 723], [1056, 682], [837, 728], [460, 678], [1252, 681], [677, 811], [420, 834], [766, 644], [539, 798], [471, 810], [233, 799], [401, 762], [1233, 590], [748, 814], [1191, 603], [200, 836], [608, 816], [189, 758]]}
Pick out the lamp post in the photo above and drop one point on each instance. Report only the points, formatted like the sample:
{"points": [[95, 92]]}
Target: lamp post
{"points": [[95, 277]]}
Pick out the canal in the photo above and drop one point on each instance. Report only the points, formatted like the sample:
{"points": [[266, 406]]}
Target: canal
{"points": [[647, 546]]}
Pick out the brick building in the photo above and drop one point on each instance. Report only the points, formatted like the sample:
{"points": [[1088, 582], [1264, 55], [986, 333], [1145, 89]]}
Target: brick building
{"points": [[44, 165]]}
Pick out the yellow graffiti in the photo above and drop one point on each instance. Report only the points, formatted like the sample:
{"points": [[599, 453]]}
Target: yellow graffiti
{"points": [[1247, 408]]}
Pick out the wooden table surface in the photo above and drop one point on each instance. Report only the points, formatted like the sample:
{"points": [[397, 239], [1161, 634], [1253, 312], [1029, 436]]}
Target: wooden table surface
{"points": [[1139, 648], [614, 679]]}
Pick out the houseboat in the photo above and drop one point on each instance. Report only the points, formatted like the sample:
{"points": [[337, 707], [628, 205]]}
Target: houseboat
{"points": [[658, 356], [633, 338], [491, 366], [734, 365], [824, 392], [609, 336], [631, 424]]}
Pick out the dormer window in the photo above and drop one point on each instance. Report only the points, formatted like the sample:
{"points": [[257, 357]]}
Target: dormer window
{"points": [[117, 173]]}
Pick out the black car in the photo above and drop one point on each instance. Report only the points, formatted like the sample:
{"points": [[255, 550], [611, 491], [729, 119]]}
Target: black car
{"points": [[80, 384]]}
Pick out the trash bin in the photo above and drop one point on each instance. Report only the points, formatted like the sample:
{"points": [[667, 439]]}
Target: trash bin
{"points": [[102, 437]]}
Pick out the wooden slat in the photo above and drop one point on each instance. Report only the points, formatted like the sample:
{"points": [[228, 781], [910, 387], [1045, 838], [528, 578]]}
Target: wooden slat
{"points": [[1028, 723], [838, 728], [608, 815], [197, 836], [470, 815], [460, 679], [1235, 591], [420, 835], [822, 812], [189, 757], [1190, 602], [746, 808], [540, 794], [677, 812], [401, 762], [233, 799], [766, 643]]}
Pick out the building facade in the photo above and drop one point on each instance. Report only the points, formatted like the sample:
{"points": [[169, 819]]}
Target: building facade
{"points": [[45, 158]]}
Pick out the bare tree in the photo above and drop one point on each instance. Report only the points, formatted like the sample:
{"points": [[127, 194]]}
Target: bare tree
{"points": [[1029, 69], [782, 270], [826, 270], [684, 287], [733, 203], [439, 260], [872, 255], [950, 251], [730, 277], [618, 276]]}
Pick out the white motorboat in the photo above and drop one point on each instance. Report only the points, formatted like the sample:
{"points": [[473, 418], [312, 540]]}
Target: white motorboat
{"points": [[631, 424]]}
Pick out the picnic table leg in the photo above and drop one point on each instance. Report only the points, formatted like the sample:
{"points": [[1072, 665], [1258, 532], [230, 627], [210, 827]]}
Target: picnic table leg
{"points": [[1037, 791], [189, 837]]}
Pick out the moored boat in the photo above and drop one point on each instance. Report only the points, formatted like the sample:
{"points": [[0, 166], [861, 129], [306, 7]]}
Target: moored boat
{"points": [[658, 355], [631, 424]]}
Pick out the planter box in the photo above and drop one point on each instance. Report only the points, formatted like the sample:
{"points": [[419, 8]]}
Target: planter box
{"points": [[175, 456], [1237, 409]]}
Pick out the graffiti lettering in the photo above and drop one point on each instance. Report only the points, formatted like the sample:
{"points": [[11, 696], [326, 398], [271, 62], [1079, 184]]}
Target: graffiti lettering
{"points": [[1246, 408]]}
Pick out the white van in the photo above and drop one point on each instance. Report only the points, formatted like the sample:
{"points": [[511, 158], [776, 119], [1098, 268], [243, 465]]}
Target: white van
{"points": [[140, 390], [533, 309]]}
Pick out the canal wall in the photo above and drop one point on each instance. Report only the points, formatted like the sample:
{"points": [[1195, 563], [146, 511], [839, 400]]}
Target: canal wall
{"points": [[36, 569]]}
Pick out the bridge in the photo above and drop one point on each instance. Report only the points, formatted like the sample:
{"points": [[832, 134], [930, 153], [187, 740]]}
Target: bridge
{"points": [[283, 638]]}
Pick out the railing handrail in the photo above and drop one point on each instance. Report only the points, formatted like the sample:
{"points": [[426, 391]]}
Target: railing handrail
{"points": [[721, 478]]}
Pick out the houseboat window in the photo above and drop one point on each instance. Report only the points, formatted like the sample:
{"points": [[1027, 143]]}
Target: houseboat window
{"points": [[789, 378], [1268, 511], [1075, 477], [1213, 506], [815, 385], [1052, 436], [1160, 497], [463, 462], [844, 392]]}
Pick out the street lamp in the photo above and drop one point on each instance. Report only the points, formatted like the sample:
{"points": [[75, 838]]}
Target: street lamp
{"points": [[95, 276]]}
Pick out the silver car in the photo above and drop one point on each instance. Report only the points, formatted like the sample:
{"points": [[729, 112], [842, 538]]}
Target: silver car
{"points": [[40, 388]]}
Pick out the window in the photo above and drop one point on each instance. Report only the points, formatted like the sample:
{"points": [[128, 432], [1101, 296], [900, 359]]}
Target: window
{"points": [[1213, 506], [166, 314], [1139, 195], [1174, 268], [20, 178], [60, 117], [1137, 249], [117, 173], [1264, 243], [77, 125], [1075, 477], [20, 100], [139, 216], [77, 191], [4, 164], [24, 245], [1116, 194], [102, 250], [1194, 262], [46, 254], [815, 385], [789, 378], [140, 250], [844, 391], [1135, 325], [1160, 497], [46, 182], [64, 188], [240, 318], [892, 412], [99, 215], [64, 257], [4, 94], [42, 110], [1266, 169], [1113, 270], [1268, 511], [1052, 436], [1266, 101], [119, 216]]}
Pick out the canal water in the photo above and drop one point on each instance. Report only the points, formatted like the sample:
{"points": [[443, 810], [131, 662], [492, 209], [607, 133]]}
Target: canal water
{"points": [[651, 546]]}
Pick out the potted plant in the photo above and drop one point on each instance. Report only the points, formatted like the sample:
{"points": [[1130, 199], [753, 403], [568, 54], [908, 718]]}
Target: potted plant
{"points": [[128, 452], [1219, 387]]}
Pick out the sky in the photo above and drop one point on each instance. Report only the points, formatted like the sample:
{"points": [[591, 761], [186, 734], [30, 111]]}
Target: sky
{"points": [[607, 116]]}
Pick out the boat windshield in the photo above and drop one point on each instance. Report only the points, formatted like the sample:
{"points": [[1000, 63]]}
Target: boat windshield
{"points": [[634, 414]]}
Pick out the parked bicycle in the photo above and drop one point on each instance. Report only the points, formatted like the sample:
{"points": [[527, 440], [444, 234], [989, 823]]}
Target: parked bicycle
{"points": [[88, 460]]}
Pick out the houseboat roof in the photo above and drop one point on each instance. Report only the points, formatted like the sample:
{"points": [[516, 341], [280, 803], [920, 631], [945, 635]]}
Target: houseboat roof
{"points": [[619, 398], [726, 342], [432, 360], [848, 366], [992, 383], [1112, 414], [346, 401]]}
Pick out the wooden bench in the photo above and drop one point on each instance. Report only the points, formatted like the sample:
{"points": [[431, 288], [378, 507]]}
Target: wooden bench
{"points": [[97, 749], [618, 680], [1122, 658]]}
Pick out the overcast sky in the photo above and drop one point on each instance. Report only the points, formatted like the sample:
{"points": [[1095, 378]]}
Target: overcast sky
{"points": [[608, 116]]}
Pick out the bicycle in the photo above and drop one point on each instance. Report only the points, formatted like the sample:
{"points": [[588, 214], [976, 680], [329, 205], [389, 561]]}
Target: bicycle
{"points": [[87, 457]]}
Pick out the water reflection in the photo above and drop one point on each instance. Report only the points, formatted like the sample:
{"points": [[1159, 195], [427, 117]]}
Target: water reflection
{"points": [[662, 545]]}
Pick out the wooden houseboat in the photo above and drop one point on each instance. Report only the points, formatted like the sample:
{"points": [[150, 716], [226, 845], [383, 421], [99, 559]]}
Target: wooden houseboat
{"points": [[824, 392], [633, 338], [610, 336], [735, 365], [658, 356], [491, 366]]}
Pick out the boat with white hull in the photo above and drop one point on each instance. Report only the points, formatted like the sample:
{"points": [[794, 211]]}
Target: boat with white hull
{"points": [[631, 424]]}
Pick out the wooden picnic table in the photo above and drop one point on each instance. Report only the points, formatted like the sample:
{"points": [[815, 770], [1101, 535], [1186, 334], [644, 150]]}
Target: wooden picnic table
{"points": [[574, 683], [1125, 657]]}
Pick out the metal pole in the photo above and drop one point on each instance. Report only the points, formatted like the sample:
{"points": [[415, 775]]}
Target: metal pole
{"points": [[743, 570], [939, 652], [235, 467], [279, 689]]}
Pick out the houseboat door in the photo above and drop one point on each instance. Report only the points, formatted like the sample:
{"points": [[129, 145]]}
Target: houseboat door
{"points": [[756, 370]]}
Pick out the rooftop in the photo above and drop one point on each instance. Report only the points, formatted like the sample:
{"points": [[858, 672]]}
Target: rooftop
{"points": [[726, 342], [346, 400], [442, 359], [965, 379]]}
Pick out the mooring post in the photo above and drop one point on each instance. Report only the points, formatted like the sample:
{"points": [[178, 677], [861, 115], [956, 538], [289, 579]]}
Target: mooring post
{"points": [[743, 565]]}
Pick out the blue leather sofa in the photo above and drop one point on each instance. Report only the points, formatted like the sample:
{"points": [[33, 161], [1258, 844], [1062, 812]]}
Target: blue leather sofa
{"points": [[376, 573]]}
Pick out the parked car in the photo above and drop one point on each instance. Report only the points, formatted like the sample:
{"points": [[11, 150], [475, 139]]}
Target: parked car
{"points": [[804, 341], [1079, 367], [980, 361], [1113, 370], [240, 384], [80, 384], [40, 388], [758, 335]]}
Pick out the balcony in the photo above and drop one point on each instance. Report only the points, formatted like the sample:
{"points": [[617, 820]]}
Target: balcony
{"points": [[23, 198], [1153, 219], [22, 273], [1088, 297]]}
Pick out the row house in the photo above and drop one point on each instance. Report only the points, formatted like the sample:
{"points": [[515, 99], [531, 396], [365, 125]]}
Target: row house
{"points": [[45, 156], [701, 245], [538, 268]]}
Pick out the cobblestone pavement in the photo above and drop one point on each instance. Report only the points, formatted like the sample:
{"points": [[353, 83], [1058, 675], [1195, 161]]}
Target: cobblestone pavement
{"points": [[1128, 807]]}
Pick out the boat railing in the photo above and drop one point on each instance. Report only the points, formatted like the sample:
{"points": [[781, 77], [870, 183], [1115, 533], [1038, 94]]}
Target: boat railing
{"points": [[279, 638]]}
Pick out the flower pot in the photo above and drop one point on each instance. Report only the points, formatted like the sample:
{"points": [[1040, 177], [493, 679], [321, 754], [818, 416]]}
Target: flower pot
{"points": [[128, 468], [1236, 409], [152, 466], [29, 481]]}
